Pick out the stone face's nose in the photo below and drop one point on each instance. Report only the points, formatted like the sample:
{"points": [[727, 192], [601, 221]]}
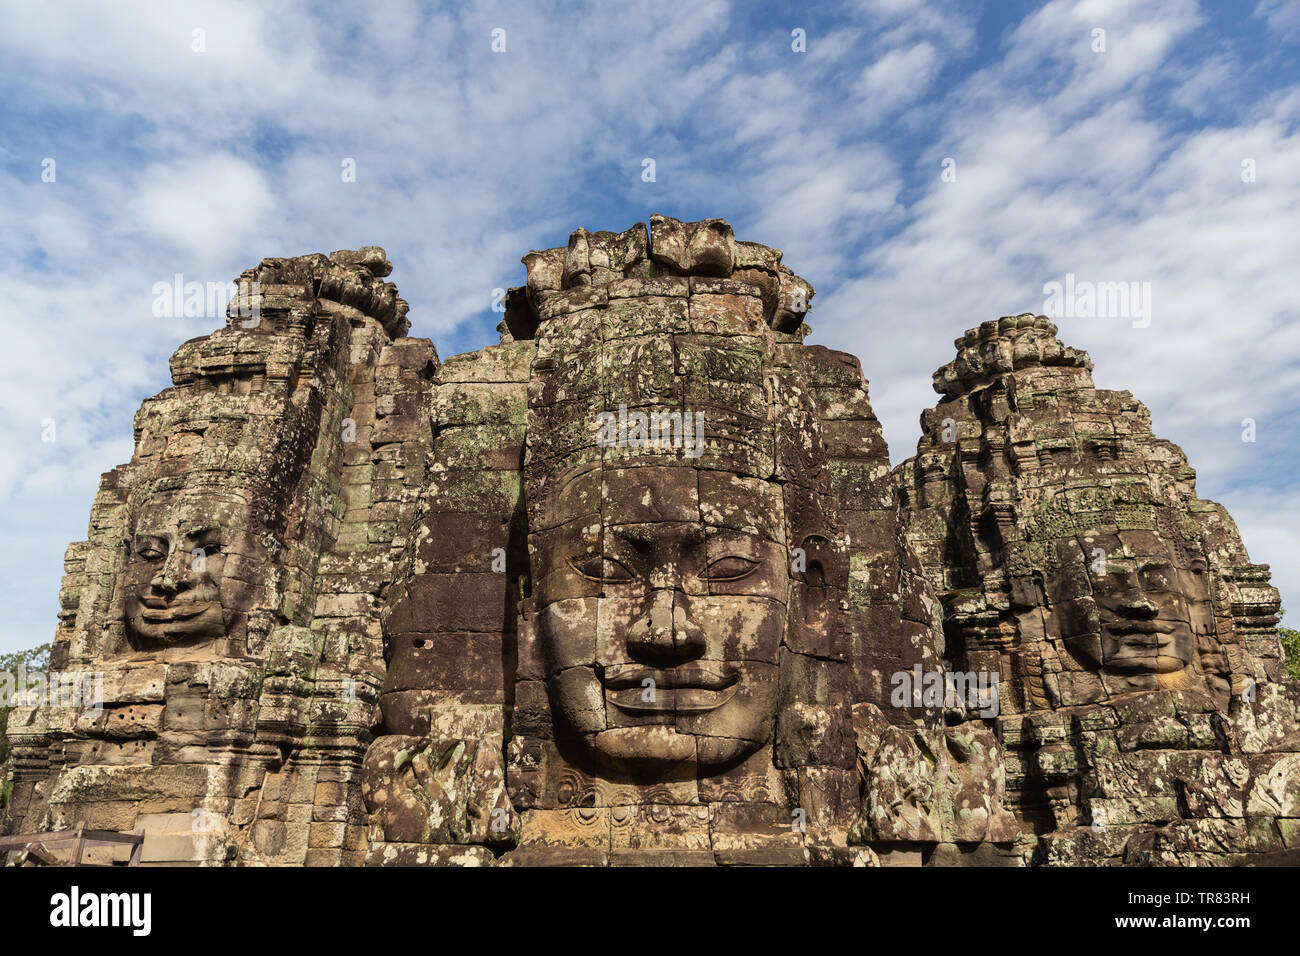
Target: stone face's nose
{"points": [[664, 635], [176, 572]]}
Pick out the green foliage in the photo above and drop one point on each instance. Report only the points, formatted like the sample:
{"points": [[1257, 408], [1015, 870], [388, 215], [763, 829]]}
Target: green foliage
{"points": [[1290, 639], [36, 659]]}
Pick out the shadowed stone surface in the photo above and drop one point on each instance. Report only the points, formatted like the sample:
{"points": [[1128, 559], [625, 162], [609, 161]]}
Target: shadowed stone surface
{"points": [[637, 586]]}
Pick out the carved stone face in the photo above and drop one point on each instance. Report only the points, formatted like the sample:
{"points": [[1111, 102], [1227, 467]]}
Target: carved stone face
{"points": [[1129, 602], [662, 629], [175, 570]]}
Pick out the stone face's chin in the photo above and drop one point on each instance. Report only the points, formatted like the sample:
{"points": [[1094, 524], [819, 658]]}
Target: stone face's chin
{"points": [[644, 747], [661, 752]]}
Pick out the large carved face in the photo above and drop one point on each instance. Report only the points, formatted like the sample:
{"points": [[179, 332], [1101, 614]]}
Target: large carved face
{"points": [[1130, 602], [661, 623], [176, 566]]}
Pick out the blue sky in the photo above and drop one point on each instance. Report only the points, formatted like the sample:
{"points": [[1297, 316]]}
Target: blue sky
{"points": [[1122, 164]]}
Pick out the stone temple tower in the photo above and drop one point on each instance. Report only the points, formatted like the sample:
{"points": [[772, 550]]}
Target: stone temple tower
{"points": [[1143, 707], [638, 585]]}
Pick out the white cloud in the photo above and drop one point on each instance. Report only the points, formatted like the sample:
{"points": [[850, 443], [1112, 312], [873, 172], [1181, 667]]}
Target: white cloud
{"points": [[899, 77], [1281, 16], [1269, 522], [1079, 171], [217, 205], [176, 161]]}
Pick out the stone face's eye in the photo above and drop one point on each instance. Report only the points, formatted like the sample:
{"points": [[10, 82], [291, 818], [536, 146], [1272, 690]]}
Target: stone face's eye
{"points": [[731, 568], [599, 567], [209, 540], [150, 550]]}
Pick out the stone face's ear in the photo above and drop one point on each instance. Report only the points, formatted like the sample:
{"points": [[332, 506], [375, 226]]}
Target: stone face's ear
{"points": [[832, 566], [814, 599]]}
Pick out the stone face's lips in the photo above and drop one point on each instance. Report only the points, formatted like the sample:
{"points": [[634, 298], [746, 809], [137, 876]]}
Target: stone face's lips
{"points": [[182, 611], [1141, 635], [695, 687], [1143, 644], [691, 700], [1138, 627]]}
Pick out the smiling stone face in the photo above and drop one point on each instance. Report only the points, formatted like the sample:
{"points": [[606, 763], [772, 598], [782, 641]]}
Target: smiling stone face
{"points": [[662, 631], [176, 591], [1129, 602], [669, 650]]}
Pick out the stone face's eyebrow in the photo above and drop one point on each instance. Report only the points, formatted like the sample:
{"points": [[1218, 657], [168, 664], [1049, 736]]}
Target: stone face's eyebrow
{"points": [[643, 536], [1154, 564], [635, 535]]}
